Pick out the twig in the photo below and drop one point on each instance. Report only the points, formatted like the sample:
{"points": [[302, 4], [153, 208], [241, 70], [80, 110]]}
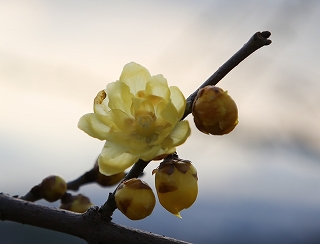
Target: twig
{"points": [[33, 195], [86, 178], [257, 41]]}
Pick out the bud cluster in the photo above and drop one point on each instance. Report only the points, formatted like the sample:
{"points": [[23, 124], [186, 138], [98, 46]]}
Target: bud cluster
{"points": [[176, 186], [53, 188], [176, 181]]}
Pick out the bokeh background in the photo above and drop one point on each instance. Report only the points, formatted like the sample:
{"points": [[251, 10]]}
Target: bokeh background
{"points": [[258, 184]]}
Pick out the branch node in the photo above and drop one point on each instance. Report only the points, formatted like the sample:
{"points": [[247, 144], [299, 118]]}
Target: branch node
{"points": [[93, 211]]}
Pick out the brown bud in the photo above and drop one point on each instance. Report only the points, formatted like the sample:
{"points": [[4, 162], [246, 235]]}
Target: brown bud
{"points": [[214, 111], [78, 203], [53, 188], [135, 199]]}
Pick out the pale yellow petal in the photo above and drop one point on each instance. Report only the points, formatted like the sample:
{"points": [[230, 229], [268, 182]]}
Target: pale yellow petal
{"points": [[168, 112], [95, 125], [100, 104], [135, 76], [162, 130], [158, 86], [178, 100], [124, 122], [119, 96], [151, 153], [137, 142], [114, 159], [155, 100], [118, 137], [141, 106], [179, 135]]}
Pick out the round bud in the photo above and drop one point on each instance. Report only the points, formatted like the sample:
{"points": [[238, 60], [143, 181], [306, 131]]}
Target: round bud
{"points": [[78, 203], [53, 188], [214, 111], [135, 199], [176, 184]]}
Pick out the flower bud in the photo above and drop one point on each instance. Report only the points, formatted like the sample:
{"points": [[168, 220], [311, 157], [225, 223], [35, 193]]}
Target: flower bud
{"points": [[214, 111], [135, 199], [78, 203], [176, 184], [53, 188]]}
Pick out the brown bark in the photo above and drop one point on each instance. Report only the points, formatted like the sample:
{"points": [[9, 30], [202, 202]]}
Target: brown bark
{"points": [[88, 226]]}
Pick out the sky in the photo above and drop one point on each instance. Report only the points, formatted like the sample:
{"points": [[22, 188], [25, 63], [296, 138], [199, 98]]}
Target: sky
{"points": [[260, 181]]}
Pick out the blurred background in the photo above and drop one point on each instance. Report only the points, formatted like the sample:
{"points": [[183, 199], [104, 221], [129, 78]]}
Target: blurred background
{"points": [[258, 184]]}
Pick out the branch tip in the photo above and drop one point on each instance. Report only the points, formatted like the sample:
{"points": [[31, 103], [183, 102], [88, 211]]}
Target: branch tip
{"points": [[258, 40], [266, 34], [263, 37]]}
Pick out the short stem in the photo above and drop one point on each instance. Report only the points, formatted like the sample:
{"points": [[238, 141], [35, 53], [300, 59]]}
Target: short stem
{"points": [[109, 206], [136, 169], [86, 178], [258, 40], [33, 195]]}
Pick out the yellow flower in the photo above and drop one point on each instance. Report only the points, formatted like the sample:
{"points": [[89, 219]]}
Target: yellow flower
{"points": [[139, 117]]}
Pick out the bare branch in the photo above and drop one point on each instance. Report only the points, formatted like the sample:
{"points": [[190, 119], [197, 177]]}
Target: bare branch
{"points": [[88, 226]]}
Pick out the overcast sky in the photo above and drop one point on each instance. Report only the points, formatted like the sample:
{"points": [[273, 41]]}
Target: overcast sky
{"points": [[56, 55]]}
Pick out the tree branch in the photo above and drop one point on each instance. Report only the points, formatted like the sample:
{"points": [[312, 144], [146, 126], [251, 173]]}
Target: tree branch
{"points": [[91, 226], [258, 40], [88, 226]]}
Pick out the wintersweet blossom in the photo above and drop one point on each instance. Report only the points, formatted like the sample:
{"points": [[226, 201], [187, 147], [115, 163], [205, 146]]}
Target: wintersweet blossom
{"points": [[139, 118]]}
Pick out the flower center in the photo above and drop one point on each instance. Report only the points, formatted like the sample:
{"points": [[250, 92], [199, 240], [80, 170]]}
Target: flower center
{"points": [[145, 125]]}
